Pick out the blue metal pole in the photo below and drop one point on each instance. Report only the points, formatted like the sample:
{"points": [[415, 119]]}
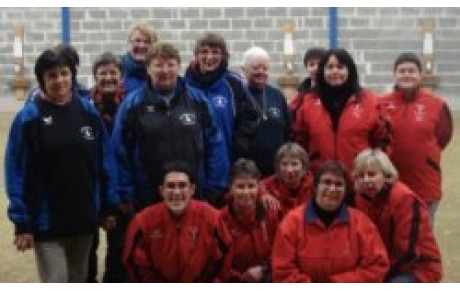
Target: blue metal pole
{"points": [[65, 25], [333, 31]]}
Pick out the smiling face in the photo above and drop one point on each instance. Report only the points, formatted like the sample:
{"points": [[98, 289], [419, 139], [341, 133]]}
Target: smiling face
{"points": [[138, 45], [58, 83], [177, 192], [163, 73], [108, 79], [335, 73], [330, 191], [369, 181], [407, 76], [257, 72], [244, 191], [209, 58], [291, 171]]}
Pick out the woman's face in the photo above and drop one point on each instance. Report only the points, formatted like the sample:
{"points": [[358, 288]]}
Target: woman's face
{"points": [[291, 171], [257, 72], [138, 45], [312, 68], [330, 191], [209, 58], [244, 191], [177, 192], [407, 76], [108, 79], [335, 73], [58, 83], [369, 181], [163, 73]]}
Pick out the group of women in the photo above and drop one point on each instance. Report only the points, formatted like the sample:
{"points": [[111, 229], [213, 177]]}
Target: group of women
{"points": [[337, 186]]}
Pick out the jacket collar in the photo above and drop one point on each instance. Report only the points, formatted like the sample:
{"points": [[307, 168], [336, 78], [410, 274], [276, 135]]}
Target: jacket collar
{"points": [[310, 214]]}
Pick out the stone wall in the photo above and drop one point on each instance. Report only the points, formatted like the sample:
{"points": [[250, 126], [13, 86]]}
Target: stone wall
{"points": [[375, 36]]}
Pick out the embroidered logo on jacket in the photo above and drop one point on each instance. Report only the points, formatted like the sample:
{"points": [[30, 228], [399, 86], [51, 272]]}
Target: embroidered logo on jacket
{"points": [[156, 234], [150, 108], [235, 232], [193, 231], [48, 120], [219, 101], [188, 119], [419, 112], [87, 132], [275, 112]]}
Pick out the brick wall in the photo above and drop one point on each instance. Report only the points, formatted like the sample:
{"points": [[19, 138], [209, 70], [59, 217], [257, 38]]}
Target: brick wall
{"points": [[375, 36]]}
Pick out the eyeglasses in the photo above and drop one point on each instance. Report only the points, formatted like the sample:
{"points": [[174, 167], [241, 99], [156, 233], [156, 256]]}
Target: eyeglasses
{"points": [[339, 184]]}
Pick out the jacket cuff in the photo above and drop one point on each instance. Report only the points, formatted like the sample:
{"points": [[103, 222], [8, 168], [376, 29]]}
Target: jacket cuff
{"points": [[22, 228], [109, 210]]}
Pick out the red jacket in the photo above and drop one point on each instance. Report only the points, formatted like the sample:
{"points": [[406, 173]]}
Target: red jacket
{"points": [[361, 126], [403, 223], [422, 128], [288, 199], [160, 248], [349, 250], [252, 240]]}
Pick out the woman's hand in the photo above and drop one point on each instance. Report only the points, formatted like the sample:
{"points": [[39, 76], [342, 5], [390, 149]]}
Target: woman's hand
{"points": [[270, 202], [24, 241], [109, 223], [253, 275]]}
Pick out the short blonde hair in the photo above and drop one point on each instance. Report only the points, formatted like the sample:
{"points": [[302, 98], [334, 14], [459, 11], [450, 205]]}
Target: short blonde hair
{"points": [[291, 149], [146, 30], [377, 159]]}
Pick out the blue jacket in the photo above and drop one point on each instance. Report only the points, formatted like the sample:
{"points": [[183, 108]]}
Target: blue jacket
{"points": [[134, 73], [233, 106], [48, 156], [149, 132]]}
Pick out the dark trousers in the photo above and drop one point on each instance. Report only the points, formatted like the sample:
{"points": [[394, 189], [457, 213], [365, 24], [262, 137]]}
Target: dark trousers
{"points": [[114, 270]]}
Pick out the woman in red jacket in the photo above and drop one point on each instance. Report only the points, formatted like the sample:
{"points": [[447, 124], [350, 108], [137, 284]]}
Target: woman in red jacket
{"points": [[325, 240], [178, 240], [291, 184], [339, 119], [401, 218], [251, 226], [422, 126]]}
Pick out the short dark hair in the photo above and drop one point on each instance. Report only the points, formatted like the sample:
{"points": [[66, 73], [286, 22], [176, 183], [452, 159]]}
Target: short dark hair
{"points": [[344, 58], [107, 58], [408, 57], [162, 50], [178, 166], [52, 58], [212, 40], [244, 167], [314, 53], [338, 169], [70, 51]]}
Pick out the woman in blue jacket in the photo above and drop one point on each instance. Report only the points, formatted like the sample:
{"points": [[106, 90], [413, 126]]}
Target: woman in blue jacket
{"points": [[231, 102], [166, 120], [140, 39], [58, 173]]}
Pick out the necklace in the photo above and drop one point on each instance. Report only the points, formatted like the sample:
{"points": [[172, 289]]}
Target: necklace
{"points": [[263, 109]]}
